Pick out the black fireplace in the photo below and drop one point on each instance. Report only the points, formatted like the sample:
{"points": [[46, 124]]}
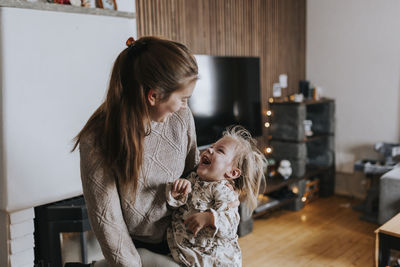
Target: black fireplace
{"points": [[63, 233]]}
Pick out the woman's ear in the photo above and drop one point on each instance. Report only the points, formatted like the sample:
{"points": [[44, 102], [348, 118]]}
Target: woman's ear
{"points": [[152, 97], [233, 174]]}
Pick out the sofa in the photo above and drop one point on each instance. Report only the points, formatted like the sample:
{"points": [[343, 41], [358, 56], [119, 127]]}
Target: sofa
{"points": [[389, 195]]}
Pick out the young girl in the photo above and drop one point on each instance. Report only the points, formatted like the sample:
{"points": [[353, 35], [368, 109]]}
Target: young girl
{"points": [[232, 168]]}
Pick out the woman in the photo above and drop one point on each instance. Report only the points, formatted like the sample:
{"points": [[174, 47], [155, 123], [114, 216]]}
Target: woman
{"points": [[138, 140]]}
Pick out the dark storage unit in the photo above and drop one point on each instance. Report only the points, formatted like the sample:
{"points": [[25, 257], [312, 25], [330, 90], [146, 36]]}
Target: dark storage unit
{"points": [[311, 157]]}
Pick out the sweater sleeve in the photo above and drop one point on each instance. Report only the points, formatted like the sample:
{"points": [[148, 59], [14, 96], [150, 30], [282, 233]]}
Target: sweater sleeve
{"points": [[104, 210], [192, 157]]}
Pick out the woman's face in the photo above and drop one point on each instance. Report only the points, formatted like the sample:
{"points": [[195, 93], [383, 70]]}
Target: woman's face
{"points": [[162, 109]]}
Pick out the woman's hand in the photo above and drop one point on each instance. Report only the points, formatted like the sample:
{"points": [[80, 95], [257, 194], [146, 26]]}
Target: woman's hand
{"points": [[181, 188], [198, 221]]}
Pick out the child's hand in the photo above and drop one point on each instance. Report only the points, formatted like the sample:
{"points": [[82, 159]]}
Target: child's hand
{"points": [[198, 221], [181, 188]]}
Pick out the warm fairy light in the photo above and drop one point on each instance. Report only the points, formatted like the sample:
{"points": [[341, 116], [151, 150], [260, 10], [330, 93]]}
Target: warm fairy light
{"points": [[269, 112], [267, 150], [303, 199], [295, 189], [303, 218], [267, 124], [271, 100]]}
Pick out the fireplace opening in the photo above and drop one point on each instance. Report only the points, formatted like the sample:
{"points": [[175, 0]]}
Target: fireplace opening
{"points": [[63, 234]]}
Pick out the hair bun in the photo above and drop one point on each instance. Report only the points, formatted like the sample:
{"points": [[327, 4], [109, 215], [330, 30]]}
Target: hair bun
{"points": [[130, 41]]}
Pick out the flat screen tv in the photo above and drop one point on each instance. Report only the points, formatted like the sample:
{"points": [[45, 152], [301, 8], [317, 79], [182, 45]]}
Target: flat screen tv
{"points": [[227, 93]]}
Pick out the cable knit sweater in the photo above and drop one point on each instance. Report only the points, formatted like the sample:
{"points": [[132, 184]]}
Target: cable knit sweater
{"points": [[169, 151]]}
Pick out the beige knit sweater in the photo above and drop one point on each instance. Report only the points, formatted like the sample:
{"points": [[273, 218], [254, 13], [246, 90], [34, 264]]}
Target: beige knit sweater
{"points": [[170, 151]]}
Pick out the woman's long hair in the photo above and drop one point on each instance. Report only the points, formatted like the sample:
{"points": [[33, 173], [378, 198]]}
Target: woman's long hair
{"points": [[122, 121]]}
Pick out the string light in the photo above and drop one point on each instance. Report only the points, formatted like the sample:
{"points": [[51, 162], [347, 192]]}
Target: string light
{"points": [[303, 199], [267, 150], [295, 189]]}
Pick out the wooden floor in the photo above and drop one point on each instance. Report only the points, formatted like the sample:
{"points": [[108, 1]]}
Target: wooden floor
{"points": [[326, 232]]}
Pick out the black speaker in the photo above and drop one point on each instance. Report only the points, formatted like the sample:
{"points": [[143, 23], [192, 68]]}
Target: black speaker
{"points": [[304, 88]]}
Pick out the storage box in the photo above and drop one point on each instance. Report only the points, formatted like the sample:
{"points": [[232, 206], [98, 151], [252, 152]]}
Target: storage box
{"points": [[320, 151], [322, 116], [286, 150], [287, 122]]}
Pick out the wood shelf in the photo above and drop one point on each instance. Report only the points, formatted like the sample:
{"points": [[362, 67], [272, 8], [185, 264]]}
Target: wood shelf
{"points": [[317, 136], [65, 8], [267, 204], [304, 102], [278, 182]]}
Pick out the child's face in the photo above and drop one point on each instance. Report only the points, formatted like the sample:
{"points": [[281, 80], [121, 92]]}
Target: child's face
{"points": [[216, 163]]}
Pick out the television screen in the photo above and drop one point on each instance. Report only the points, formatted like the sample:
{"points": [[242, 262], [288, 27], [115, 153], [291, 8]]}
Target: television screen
{"points": [[227, 93]]}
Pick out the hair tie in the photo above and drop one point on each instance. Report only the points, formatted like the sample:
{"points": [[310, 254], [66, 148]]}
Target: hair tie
{"points": [[130, 41], [135, 46]]}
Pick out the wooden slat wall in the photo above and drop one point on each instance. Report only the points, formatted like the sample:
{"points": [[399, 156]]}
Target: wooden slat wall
{"points": [[273, 30]]}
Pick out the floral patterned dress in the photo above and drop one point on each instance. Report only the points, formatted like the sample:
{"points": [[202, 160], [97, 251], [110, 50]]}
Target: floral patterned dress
{"points": [[212, 246]]}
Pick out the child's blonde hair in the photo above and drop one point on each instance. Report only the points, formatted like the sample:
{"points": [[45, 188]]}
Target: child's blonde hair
{"points": [[250, 161]]}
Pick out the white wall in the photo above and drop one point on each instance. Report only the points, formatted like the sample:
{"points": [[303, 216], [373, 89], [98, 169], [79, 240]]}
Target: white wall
{"points": [[54, 70], [126, 5], [353, 53]]}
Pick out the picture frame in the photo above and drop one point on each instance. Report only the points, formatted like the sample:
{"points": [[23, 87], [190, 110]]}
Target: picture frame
{"points": [[106, 4]]}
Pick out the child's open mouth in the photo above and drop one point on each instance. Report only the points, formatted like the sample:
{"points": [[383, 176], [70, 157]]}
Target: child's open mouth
{"points": [[205, 160]]}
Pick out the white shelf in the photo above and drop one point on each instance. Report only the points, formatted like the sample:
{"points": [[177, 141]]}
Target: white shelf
{"points": [[65, 8]]}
